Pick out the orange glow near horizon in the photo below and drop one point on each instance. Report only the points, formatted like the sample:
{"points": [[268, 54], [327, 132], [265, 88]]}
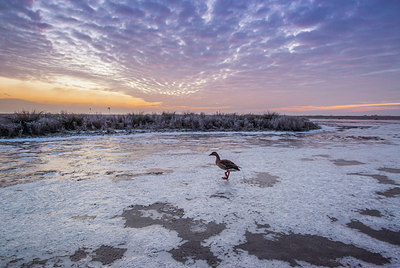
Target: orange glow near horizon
{"points": [[73, 92], [78, 92], [350, 107], [197, 107]]}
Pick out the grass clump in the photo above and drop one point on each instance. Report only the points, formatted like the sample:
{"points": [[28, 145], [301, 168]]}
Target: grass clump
{"points": [[39, 123]]}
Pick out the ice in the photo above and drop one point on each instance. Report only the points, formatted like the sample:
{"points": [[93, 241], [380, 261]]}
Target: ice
{"points": [[66, 195]]}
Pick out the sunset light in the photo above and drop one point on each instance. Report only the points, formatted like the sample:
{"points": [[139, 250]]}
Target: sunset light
{"points": [[67, 90], [319, 57], [199, 133], [349, 107]]}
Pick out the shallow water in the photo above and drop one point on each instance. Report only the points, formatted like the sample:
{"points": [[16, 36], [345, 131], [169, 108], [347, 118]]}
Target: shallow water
{"points": [[64, 199]]}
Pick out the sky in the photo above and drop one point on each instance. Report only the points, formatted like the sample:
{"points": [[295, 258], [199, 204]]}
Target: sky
{"points": [[292, 57]]}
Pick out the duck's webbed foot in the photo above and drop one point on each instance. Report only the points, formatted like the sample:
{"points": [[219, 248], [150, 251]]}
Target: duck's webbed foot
{"points": [[226, 175]]}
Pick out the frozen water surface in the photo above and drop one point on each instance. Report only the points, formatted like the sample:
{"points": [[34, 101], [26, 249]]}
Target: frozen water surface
{"points": [[325, 198]]}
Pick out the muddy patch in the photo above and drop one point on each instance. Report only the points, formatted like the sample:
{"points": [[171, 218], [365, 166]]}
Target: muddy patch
{"points": [[83, 217], [290, 143], [316, 250], [370, 212], [390, 170], [343, 128], [45, 172], [365, 138], [220, 195], [158, 171], [128, 176], [193, 232], [382, 234], [391, 192], [306, 159], [12, 262], [262, 179], [333, 219], [107, 254], [79, 255], [104, 254], [36, 263], [323, 155], [286, 141], [342, 162], [382, 179]]}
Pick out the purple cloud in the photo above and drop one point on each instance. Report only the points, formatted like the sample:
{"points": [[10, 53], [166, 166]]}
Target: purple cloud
{"points": [[178, 47]]}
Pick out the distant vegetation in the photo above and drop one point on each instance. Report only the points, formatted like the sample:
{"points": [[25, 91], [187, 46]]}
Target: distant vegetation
{"points": [[38, 124], [354, 117]]}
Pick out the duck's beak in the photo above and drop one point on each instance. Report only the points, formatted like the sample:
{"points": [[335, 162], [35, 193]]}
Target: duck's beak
{"points": [[210, 154]]}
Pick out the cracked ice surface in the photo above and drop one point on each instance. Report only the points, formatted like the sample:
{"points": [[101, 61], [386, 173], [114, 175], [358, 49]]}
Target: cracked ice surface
{"points": [[71, 200]]}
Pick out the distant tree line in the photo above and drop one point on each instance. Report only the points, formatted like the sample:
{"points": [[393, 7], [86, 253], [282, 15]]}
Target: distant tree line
{"points": [[38, 123]]}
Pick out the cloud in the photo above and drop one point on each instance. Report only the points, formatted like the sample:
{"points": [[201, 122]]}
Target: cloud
{"points": [[181, 48]]}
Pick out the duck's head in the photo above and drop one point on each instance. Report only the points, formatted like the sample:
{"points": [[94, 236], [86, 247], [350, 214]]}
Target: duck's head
{"points": [[214, 153]]}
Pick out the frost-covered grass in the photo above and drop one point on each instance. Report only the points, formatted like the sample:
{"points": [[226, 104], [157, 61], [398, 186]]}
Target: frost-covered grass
{"points": [[39, 124]]}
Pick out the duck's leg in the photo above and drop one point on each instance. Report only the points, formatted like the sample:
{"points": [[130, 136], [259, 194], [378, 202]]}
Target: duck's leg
{"points": [[226, 175]]}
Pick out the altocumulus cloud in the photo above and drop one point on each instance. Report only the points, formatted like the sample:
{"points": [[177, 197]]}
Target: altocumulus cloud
{"points": [[173, 47]]}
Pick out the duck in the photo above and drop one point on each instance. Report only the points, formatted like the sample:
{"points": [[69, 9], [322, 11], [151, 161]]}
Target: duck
{"points": [[225, 165]]}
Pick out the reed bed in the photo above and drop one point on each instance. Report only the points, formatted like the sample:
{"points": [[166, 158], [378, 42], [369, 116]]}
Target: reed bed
{"points": [[34, 123]]}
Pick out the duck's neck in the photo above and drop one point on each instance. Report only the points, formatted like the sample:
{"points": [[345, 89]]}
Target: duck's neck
{"points": [[218, 159]]}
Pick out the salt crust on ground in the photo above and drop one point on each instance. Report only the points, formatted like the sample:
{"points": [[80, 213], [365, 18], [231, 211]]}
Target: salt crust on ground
{"points": [[39, 218]]}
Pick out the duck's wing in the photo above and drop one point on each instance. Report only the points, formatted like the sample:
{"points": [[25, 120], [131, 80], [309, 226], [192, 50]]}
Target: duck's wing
{"points": [[229, 164]]}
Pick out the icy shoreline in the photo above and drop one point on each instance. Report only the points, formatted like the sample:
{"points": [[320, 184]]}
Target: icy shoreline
{"points": [[146, 199], [75, 135]]}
